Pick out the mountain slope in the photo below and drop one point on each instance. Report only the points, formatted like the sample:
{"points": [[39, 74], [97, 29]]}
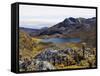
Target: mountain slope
{"points": [[71, 25]]}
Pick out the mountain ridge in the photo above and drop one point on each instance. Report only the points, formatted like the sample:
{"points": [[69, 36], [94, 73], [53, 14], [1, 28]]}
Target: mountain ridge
{"points": [[66, 27]]}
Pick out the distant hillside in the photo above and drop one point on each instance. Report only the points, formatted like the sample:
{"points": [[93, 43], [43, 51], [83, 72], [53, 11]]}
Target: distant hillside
{"points": [[70, 26], [30, 31]]}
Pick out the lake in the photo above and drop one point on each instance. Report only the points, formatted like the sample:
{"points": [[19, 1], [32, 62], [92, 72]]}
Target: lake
{"points": [[61, 40]]}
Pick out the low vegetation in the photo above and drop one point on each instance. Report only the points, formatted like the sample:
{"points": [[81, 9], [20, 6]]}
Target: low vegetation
{"points": [[68, 56]]}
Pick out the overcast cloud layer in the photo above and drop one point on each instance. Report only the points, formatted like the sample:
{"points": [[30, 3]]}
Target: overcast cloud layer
{"points": [[32, 16]]}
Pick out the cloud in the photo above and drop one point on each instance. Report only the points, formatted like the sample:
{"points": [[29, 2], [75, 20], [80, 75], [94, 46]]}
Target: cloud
{"points": [[47, 15]]}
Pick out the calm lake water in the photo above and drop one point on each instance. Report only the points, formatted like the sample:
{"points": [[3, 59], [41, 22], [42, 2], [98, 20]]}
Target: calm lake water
{"points": [[61, 40]]}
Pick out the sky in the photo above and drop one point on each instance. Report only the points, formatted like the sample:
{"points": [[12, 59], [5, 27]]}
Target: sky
{"points": [[37, 17]]}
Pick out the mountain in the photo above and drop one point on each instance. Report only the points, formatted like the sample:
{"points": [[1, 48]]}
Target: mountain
{"points": [[70, 26]]}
